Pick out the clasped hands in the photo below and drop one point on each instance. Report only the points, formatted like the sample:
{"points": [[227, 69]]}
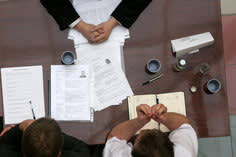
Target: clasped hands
{"points": [[96, 34], [156, 112]]}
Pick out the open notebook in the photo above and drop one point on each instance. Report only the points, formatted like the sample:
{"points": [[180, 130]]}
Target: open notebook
{"points": [[175, 102]]}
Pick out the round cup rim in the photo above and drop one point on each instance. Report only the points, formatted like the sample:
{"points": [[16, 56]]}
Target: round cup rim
{"points": [[157, 61], [62, 59], [218, 81]]}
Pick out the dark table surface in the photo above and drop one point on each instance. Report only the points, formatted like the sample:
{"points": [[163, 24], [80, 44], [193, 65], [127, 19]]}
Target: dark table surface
{"points": [[29, 36]]}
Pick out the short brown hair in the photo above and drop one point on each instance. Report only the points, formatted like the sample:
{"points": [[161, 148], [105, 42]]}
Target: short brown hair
{"points": [[43, 138], [153, 143]]}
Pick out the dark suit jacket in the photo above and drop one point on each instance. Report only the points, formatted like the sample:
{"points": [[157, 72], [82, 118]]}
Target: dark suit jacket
{"points": [[10, 145], [63, 12]]}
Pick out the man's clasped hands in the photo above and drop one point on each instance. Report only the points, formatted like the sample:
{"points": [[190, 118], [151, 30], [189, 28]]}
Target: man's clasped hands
{"points": [[155, 112], [96, 34]]}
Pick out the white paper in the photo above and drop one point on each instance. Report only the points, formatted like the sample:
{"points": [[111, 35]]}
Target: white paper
{"points": [[111, 85], [70, 92], [20, 86]]}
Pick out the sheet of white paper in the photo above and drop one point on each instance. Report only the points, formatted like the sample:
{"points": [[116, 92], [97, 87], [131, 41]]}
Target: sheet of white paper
{"points": [[111, 85], [20, 85], [70, 92], [110, 49]]}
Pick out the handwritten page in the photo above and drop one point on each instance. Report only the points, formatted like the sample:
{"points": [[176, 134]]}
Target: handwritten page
{"points": [[70, 92], [21, 88], [110, 85]]}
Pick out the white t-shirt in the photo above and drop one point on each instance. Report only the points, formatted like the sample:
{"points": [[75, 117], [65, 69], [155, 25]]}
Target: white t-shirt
{"points": [[184, 139]]}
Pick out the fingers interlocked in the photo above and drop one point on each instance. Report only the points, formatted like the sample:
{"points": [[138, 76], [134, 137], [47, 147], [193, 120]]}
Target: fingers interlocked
{"points": [[155, 112]]}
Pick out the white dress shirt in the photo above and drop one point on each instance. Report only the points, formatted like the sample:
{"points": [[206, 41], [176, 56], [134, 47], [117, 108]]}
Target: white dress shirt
{"points": [[96, 12], [184, 139]]}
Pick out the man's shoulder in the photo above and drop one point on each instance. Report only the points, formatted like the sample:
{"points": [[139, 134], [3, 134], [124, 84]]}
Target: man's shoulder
{"points": [[9, 151], [117, 148], [185, 140], [68, 153], [183, 130]]}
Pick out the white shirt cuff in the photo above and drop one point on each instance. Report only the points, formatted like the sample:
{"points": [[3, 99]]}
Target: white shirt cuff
{"points": [[72, 25], [117, 21]]}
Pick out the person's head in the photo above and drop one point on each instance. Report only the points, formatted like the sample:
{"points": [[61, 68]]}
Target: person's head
{"points": [[152, 143], [43, 138]]}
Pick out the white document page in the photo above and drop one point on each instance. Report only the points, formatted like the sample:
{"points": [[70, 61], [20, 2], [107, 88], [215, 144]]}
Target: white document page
{"points": [[70, 92], [110, 85], [109, 49], [175, 102], [20, 87]]}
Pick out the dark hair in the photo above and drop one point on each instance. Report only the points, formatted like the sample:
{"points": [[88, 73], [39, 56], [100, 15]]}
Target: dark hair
{"points": [[153, 143], [43, 138]]}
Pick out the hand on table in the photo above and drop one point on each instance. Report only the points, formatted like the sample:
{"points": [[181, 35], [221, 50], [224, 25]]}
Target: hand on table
{"points": [[144, 112], [96, 34], [88, 31], [104, 29], [23, 125], [155, 112], [6, 129], [158, 111]]}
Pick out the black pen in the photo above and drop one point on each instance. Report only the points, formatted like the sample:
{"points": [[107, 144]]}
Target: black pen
{"points": [[153, 79], [32, 109], [157, 102]]}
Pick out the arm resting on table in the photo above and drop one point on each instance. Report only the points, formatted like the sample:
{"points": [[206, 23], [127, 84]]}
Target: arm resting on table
{"points": [[127, 129], [173, 120], [62, 11], [128, 11]]}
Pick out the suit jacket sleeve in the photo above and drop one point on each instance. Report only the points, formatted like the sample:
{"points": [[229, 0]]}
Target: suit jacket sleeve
{"points": [[129, 10], [62, 11], [74, 146], [11, 140]]}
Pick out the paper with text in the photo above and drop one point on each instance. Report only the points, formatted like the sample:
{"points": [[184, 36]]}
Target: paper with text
{"points": [[175, 102], [20, 87], [70, 92], [110, 85]]}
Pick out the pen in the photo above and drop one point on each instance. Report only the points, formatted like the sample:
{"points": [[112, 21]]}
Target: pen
{"points": [[157, 102], [32, 109], [153, 79], [49, 98]]}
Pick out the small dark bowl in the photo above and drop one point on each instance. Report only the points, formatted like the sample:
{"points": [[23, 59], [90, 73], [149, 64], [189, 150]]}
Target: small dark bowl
{"points": [[68, 58], [153, 65], [213, 86]]}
